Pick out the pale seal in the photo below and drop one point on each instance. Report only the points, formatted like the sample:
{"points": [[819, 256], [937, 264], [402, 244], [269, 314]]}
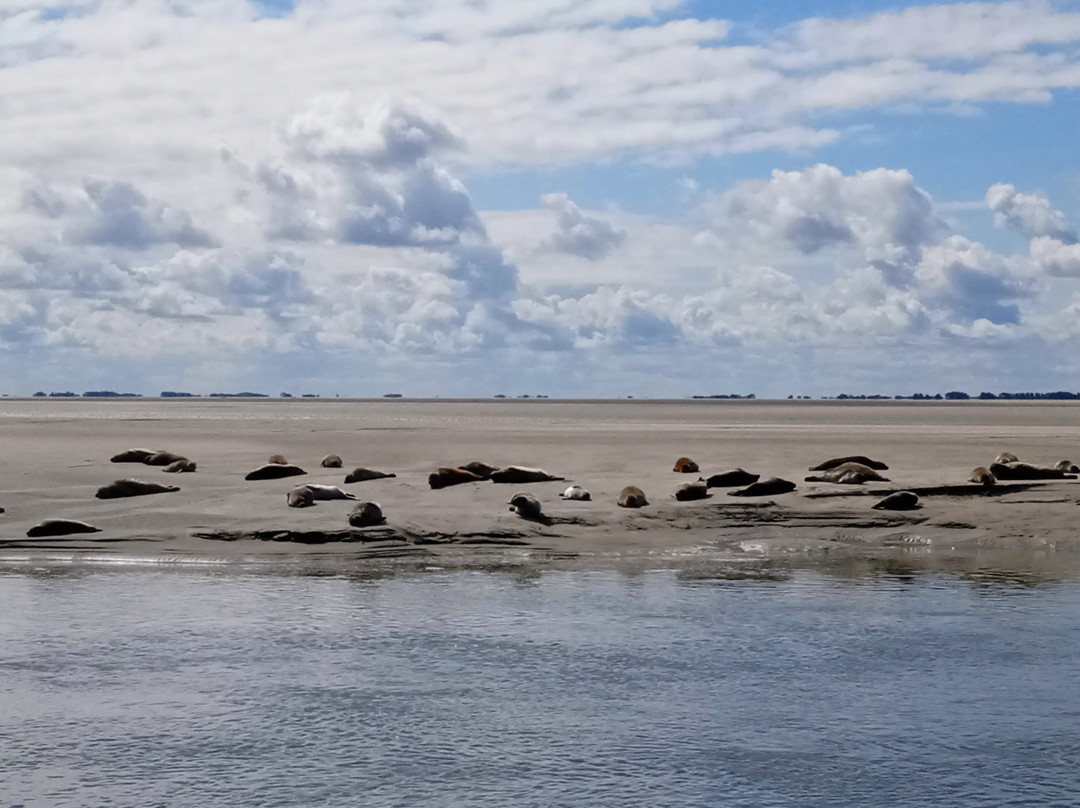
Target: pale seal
{"points": [[765, 488], [695, 490], [526, 506], [731, 478], [132, 488], [359, 475], [444, 477], [982, 476], [62, 527], [839, 461], [327, 492], [300, 497], [366, 514], [521, 474], [684, 465], [900, 501], [576, 492], [163, 459], [180, 466], [632, 497], [331, 461], [1006, 457], [133, 456], [274, 471], [1027, 471], [848, 474]]}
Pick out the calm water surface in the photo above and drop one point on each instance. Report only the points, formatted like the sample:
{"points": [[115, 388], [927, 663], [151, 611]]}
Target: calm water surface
{"points": [[663, 688]]}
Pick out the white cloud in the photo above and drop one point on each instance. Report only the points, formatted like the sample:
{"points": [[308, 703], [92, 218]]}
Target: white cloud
{"points": [[1032, 215], [579, 234]]}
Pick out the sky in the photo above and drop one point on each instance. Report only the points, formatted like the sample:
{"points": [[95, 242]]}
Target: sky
{"points": [[573, 198]]}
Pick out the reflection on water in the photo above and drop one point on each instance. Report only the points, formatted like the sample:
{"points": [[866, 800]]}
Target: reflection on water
{"points": [[708, 684]]}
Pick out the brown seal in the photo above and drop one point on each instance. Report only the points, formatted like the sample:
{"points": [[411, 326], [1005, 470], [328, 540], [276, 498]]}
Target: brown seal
{"points": [[848, 474], [525, 505], [839, 461], [632, 497], [331, 461], [300, 497], [133, 456], [179, 466], [521, 474], [444, 477], [359, 475], [765, 488], [274, 471], [278, 460], [132, 488], [900, 501], [163, 459], [695, 490], [731, 478], [1027, 471], [62, 527], [684, 465], [366, 514], [982, 476]]}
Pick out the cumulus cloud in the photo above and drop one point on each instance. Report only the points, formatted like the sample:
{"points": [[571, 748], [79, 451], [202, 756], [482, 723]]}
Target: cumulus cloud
{"points": [[1030, 214], [579, 234]]}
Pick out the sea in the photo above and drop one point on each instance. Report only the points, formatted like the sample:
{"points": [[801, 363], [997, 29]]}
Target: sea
{"points": [[517, 684]]}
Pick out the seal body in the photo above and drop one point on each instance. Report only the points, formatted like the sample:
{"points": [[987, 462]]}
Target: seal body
{"points": [[731, 479], [163, 459], [839, 461], [278, 460], [445, 477], [62, 527], [327, 492], [359, 475], [632, 497], [132, 488], [1067, 466], [982, 476], [1027, 471], [695, 490], [1006, 457], [900, 501], [521, 474], [684, 465], [481, 470], [180, 466], [765, 488], [274, 471], [300, 497], [526, 506], [576, 492], [331, 461], [133, 456], [848, 474], [366, 514]]}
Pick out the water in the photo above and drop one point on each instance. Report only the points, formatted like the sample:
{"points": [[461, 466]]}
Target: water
{"points": [[671, 687]]}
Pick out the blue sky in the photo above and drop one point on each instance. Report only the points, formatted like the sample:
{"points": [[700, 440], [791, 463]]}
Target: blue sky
{"points": [[643, 198]]}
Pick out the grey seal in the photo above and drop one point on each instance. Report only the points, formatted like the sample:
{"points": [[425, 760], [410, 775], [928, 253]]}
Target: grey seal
{"points": [[132, 488], [445, 477], [180, 466], [331, 461], [731, 479], [133, 456], [274, 471], [163, 459], [300, 497], [359, 475], [765, 488], [526, 506], [695, 490], [982, 476], [848, 474], [62, 527], [900, 501], [1027, 471], [366, 514], [521, 474], [839, 461]]}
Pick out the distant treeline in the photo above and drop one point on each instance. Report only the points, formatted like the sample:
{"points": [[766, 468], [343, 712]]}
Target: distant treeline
{"points": [[956, 395], [89, 394], [729, 395]]}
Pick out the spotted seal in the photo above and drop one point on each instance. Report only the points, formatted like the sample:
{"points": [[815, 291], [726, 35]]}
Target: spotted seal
{"points": [[180, 466], [328, 492], [300, 497], [576, 492], [1067, 466], [132, 488]]}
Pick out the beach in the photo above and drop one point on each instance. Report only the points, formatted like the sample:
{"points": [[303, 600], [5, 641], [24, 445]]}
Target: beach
{"points": [[57, 454]]}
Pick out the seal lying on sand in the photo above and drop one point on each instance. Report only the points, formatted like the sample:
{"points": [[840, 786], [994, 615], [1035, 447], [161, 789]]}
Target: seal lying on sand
{"points": [[684, 465], [278, 460], [1026, 471], [359, 475], [900, 501], [525, 505], [1006, 457], [848, 474], [1067, 466], [445, 477], [632, 497], [163, 459], [132, 488], [274, 471], [982, 476], [576, 492], [839, 461], [694, 490], [481, 470], [731, 478], [180, 466], [765, 488], [62, 527], [521, 474], [300, 497], [327, 492], [331, 461], [366, 514], [133, 456]]}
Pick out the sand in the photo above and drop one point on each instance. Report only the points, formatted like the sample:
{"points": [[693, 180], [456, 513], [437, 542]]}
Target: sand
{"points": [[56, 455]]}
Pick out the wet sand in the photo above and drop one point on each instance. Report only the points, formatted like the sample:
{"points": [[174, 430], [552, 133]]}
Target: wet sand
{"points": [[57, 455]]}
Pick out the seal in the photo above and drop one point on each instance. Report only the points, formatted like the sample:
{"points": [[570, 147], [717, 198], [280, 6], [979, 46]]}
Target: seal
{"points": [[163, 459], [179, 466], [278, 460], [576, 492], [982, 476], [1067, 466], [63, 527], [526, 506], [331, 461], [731, 479], [359, 475], [481, 470], [445, 477], [366, 514], [300, 497], [632, 497], [695, 490], [274, 471], [1006, 457], [132, 488], [327, 492], [1027, 471], [848, 474], [684, 465], [839, 461], [900, 501], [521, 474], [133, 456], [765, 488]]}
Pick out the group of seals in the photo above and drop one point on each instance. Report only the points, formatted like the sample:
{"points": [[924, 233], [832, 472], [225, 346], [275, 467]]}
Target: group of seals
{"points": [[172, 462], [476, 472], [848, 473]]}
